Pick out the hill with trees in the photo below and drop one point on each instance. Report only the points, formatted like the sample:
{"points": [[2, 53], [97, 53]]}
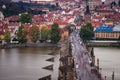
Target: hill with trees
{"points": [[14, 8]]}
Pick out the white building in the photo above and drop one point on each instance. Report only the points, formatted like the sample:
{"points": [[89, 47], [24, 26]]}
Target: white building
{"points": [[26, 1], [1, 16]]}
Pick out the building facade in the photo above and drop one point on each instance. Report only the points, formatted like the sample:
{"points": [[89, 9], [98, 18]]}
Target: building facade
{"points": [[107, 35]]}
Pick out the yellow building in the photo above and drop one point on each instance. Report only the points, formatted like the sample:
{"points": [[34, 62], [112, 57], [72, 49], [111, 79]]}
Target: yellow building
{"points": [[107, 35], [1, 36], [107, 32], [64, 34]]}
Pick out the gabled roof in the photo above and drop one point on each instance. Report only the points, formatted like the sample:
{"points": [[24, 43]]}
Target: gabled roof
{"points": [[103, 11], [114, 17], [96, 23]]}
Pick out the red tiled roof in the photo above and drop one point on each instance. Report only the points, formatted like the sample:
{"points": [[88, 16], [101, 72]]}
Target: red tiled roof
{"points": [[13, 24], [38, 19], [60, 22], [103, 11], [1, 31], [96, 23], [113, 17], [12, 18], [97, 17]]}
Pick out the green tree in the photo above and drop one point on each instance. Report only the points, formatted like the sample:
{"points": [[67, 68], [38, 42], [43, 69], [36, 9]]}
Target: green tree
{"points": [[7, 36], [86, 32], [34, 33], [55, 33], [44, 33], [89, 26], [4, 2], [21, 34], [25, 18]]}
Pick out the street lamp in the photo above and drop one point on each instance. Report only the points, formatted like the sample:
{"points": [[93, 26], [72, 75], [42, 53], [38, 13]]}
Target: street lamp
{"points": [[105, 77], [113, 75]]}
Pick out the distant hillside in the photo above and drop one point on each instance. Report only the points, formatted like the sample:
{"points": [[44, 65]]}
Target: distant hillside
{"points": [[13, 8]]}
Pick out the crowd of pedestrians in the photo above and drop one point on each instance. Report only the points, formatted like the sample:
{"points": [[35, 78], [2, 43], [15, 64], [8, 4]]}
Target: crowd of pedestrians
{"points": [[82, 59]]}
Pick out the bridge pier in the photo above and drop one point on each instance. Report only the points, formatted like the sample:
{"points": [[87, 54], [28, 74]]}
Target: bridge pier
{"points": [[66, 68]]}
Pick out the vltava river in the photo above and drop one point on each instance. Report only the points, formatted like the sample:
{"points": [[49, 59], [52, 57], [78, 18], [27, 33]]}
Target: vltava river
{"points": [[109, 61], [27, 63]]}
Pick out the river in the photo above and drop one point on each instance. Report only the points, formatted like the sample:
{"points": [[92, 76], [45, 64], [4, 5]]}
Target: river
{"points": [[109, 61], [27, 63]]}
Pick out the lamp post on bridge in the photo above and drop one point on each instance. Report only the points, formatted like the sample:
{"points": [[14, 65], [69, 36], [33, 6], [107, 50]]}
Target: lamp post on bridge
{"points": [[113, 75], [105, 77]]}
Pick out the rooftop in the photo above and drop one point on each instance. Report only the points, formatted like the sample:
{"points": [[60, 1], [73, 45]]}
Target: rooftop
{"points": [[104, 28]]}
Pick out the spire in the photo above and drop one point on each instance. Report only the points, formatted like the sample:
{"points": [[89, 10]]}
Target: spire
{"points": [[87, 8]]}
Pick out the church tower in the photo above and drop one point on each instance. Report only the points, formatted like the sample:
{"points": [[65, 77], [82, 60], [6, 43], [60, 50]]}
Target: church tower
{"points": [[87, 12]]}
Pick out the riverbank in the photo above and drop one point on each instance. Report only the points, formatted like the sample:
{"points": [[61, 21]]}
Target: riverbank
{"points": [[103, 45], [11, 45]]}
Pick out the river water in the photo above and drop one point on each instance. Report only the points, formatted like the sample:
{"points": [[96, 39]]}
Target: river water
{"points": [[109, 61], [27, 63]]}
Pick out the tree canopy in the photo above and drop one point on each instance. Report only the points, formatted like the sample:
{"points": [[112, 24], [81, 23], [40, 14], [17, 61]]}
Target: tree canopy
{"points": [[44, 33], [25, 18], [7, 36], [86, 32], [4, 2], [55, 33], [89, 26], [21, 34], [13, 8], [34, 33]]}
